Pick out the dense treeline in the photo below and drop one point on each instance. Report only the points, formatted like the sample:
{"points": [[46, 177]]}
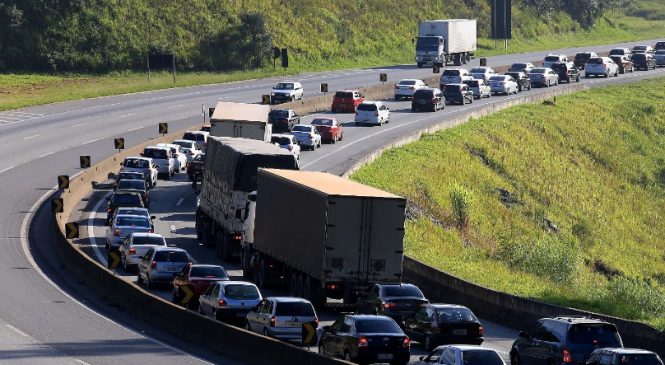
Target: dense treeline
{"points": [[103, 35]]}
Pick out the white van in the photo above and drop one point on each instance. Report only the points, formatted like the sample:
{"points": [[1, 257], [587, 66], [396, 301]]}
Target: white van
{"points": [[163, 158], [372, 112]]}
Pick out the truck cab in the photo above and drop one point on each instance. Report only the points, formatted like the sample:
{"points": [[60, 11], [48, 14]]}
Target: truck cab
{"points": [[429, 51]]}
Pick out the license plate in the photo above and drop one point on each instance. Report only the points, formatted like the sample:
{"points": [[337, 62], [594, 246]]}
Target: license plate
{"points": [[293, 324], [171, 268], [459, 332], [241, 314], [385, 356]]}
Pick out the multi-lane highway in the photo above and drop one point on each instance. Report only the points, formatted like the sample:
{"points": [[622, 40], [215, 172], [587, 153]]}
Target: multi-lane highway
{"points": [[45, 315]]}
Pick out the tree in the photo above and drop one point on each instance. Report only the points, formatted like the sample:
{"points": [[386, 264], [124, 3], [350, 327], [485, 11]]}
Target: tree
{"points": [[585, 12]]}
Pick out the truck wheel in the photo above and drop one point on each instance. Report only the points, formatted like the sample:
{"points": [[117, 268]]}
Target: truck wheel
{"points": [[259, 273], [420, 65], [458, 60], [464, 57]]}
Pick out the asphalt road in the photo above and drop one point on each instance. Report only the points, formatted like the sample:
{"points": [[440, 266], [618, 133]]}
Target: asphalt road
{"points": [[45, 315]]}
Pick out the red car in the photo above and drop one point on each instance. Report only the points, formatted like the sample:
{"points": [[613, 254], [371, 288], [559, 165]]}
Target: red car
{"points": [[347, 101], [199, 278], [329, 129]]}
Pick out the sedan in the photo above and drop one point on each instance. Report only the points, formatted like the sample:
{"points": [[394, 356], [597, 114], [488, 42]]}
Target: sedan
{"points": [[405, 88], [365, 339], [229, 300], [161, 264], [462, 355], [287, 142], [329, 129], [135, 186], [458, 93], [307, 135], [281, 317], [123, 199], [136, 245], [659, 56], [479, 88], [122, 226], [482, 73], [393, 300], [503, 84], [601, 66], [199, 277], [543, 76], [436, 324]]}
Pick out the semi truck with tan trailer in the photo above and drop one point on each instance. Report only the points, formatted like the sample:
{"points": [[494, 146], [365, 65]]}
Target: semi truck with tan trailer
{"points": [[241, 120]]}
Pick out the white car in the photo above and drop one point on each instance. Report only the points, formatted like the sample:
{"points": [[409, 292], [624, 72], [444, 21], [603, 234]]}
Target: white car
{"points": [[281, 317], [454, 76], [286, 91], [525, 67], [307, 136], [543, 76], [200, 137], [135, 246], [503, 84], [144, 165], [601, 66], [288, 142], [163, 157], [461, 355], [621, 51], [122, 225], [405, 88], [551, 59], [190, 148], [179, 156], [480, 88], [482, 73], [372, 112]]}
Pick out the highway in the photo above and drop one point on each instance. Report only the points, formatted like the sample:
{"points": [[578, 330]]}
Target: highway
{"points": [[45, 315]]}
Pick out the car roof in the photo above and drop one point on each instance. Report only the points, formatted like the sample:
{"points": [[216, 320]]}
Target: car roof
{"points": [[575, 319], [206, 265], [627, 350], [184, 140], [368, 316], [198, 132], [169, 248], [138, 158], [145, 234], [410, 80], [428, 89], [283, 135], [396, 284], [157, 147], [372, 102], [447, 305], [237, 282], [288, 299], [132, 209], [130, 216], [467, 347]]}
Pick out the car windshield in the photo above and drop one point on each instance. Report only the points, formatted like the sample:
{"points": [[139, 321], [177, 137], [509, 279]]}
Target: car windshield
{"points": [[131, 184], [451, 73], [452, 88], [171, 256], [279, 113], [595, 61], [149, 240], [136, 163], [241, 292], [294, 309], [280, 140], [407, 82], [322, 121], [402, 291], [552, 58], [284, 86], [427, 43], [456, 315], [538, 71], [186, 144], [498, 78], [477, 71], [378, 325], [640, 48], [129, 176], [344, 94], [301, 128], [481, 357], [639, 359], [518, 66], [367, 107], [208, 272], [194, 136], [596, 334], [125, 199], [472, 83], [132, 221]]}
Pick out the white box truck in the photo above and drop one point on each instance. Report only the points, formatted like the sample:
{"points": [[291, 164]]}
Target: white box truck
{"points": [[323, 235], [240, 120], [441, 42]]}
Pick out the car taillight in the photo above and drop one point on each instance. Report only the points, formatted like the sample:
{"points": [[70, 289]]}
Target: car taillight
{"points": [[116, 232], [481, 330], [222, 303], [567, 358], [376, 114], [132, 250], [154, 264], [272, 321], [237, 237], [290, 148], [389, 305], [406, 343], [150, 231], [433, 100], [412, 88], [362, 342]]}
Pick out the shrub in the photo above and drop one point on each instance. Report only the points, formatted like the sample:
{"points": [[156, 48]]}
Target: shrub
{"points": [[549, 256], [648, 300], [461, 200]]}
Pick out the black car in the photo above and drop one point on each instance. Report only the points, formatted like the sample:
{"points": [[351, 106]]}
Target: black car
{"points": [[195, 167], [136, 186], [428, 99], [366, 339], [643, 61], [458, 93], [521, 78], [393, 300], [581, 59], [623, 356], [566, 72], [283, 120], [123, 199], [127, 175], [436, 324], [563, 339]]}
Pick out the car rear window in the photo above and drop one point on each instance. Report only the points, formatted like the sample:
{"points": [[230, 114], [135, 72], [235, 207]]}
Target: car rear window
{"points": [[322, 121], [456, 315], [538, 71], [294, 309], [130, 176], [280, 140], [518, 66], [552, 58], [194, 136], [186, 144], [639, 57], [301, 128], [155, 153], [582, 56], [477, 70], [498, 78], [402, 291], [472, 83], [595, 61], [640, 48], [149, 240], [378, 325], [135, 163], [171, 256], [241, 292], [125, 199], [451, 73], [279, 113], [451, 88], [344, 94], [208, 272], [367, 107], [639, 359], [133, 221], [131, 184], [423, 94], [617, 52], [407, 82], [596, 334], [660, 51], [481, 357]]}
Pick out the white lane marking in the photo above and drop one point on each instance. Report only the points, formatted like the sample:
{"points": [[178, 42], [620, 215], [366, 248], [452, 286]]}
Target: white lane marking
{"points": [[31, 137], [46, 155], [28, 256], [127, 115], [79, 361], [90, 141], [134, 129], [91, 230], [6, 169], [182, 199], [14, 329], [174, 106], [78, 125]]}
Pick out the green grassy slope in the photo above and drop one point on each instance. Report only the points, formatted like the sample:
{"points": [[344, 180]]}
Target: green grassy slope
{"points": [[565, 203]]}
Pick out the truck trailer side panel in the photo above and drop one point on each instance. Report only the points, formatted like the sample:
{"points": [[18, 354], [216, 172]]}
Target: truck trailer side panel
{"points": [[241, 129], [461, 36]]}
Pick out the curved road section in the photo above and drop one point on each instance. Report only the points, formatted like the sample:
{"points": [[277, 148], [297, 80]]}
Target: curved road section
{"points": [[45, 315]]}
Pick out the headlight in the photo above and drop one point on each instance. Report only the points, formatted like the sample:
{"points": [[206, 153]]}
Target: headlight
{"points": [[272, 94]]}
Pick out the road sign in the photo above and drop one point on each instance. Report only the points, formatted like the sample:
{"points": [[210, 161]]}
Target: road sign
{"points": [[436, 69], [276, 52], [185, 295], [324, 88], [163, 128], [285, 58], [383, 77], [57, 204], [265, 99], [309, 333], [84, 161], [63, 182], [210, 111], [483, 62], [72, 230], [113, 259], [119, 143], [501, 16]]}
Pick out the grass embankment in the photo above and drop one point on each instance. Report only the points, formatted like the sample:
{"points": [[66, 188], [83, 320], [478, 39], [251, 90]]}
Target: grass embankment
{"points": [[17, 91], [563, 204]]}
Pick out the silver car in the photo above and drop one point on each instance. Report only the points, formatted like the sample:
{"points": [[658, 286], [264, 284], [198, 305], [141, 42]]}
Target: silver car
{"points": [[405, 88], [136, 245], [144, 165], [482, 73], [161, 264], [229, 301], [601, 66], [281, 317], [122, 226], [543, 76], [163, 158], [480, 88], [454, 76], [659, 56], [503, 84], [307, 135]]}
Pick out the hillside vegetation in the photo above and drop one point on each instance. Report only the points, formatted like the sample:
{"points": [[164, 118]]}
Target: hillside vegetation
{"points": [[563, 204]]}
